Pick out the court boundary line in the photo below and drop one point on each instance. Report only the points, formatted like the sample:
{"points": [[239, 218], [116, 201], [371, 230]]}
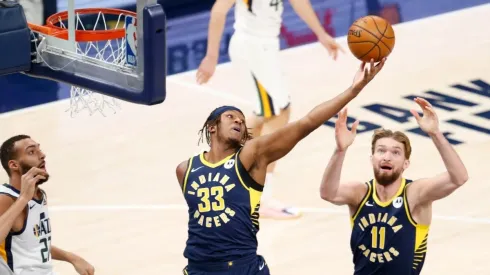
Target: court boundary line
{"points": [[307, 210]]}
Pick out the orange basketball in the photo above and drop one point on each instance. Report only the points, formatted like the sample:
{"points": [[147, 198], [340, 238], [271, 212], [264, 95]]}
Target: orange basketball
{"points": [[371, 37]]}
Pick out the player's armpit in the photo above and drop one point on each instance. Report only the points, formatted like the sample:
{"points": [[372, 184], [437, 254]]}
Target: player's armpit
{"points": [[348, 193], [427, 190], [269, 148], [180, 172]]}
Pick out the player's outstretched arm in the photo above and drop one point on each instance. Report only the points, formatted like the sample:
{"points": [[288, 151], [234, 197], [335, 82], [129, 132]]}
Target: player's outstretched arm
{"points": [[269, 148], [427, 190], [81, 265], [217, 23], [331, 190], [304, 10], [10, 209]]}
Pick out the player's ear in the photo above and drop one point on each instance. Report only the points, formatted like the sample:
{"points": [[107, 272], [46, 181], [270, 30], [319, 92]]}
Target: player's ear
{"points": [[13, 165], [212, 128], [406, 164]]}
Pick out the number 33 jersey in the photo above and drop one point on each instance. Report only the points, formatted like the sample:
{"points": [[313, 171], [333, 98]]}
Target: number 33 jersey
{"points": [[223, 202], [385, 239], [29, 250]]}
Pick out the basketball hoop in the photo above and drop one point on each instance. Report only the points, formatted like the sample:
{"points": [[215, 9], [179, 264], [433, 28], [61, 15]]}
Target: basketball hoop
{"points": [[101, 36]]}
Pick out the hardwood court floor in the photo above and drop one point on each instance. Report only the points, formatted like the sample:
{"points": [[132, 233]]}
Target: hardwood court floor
{"points": [[114, 198]]}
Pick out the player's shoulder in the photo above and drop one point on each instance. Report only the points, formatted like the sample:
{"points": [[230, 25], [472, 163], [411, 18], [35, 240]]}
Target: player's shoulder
{"points": [[6, 200], [8, 190], [182, 168], [359, 190], [185, 163]]}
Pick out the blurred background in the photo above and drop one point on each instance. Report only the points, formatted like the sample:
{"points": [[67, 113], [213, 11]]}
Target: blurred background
{"points": [[187, 33]]}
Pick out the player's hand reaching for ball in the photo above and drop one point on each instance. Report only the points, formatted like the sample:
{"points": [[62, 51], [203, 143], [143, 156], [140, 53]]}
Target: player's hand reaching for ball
{"points": [[366, 73], [343, 136], [429, 122], [29, 181], [206, 69]]}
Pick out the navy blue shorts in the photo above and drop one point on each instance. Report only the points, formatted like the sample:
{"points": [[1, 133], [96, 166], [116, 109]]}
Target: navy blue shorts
{"points": [[250, 265]]}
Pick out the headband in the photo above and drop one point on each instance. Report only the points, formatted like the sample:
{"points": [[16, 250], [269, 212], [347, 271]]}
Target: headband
{"points": [[220, 110]]}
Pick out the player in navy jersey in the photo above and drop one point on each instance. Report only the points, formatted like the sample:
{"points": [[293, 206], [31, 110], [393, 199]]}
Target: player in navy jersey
{"points": [[391, 215], [223, 186]]}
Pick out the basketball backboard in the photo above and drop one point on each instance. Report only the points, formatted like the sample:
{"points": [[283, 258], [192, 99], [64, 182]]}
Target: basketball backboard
{"points": [[124, 60]]}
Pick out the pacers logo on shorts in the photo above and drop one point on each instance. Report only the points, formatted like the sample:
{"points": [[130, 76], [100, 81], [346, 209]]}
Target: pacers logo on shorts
{"points": [[379, 226], [210, 189]]}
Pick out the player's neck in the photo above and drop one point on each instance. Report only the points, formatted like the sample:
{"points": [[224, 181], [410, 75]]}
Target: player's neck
{"points": [[386, 193], [218, 152], [16, 182]]}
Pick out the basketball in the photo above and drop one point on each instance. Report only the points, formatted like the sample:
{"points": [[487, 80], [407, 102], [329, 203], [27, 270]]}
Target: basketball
{"points": [[371, 37]]}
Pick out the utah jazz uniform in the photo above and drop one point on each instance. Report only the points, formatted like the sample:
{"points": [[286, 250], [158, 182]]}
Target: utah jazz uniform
{"points": [[385, 239], [223, 203], [29, 250], [254, 49]]}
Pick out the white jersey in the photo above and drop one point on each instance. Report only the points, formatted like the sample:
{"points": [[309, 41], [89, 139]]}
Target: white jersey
{"points": [[260, 18], [29, 250]]}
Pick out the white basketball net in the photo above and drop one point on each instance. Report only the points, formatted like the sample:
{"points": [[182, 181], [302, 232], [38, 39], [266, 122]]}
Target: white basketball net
{"points": [[110, 51]]}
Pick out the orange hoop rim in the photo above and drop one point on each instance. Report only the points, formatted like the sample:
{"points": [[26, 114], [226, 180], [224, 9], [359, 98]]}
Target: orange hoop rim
{"points": [[82, 35]]}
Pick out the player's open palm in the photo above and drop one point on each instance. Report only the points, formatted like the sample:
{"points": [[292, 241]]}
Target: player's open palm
{"points": [[343, 136], [29, 180], [366, 73], [206, 69], [429, 122]]}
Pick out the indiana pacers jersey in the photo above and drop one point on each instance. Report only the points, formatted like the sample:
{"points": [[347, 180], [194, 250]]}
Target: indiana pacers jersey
{"points": [[223, 203], [385, 239], [29, 250], [260, 18]]}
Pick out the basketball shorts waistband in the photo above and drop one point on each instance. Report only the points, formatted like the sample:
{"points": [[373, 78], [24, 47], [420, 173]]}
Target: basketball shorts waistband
{"points": [[221, 266]]}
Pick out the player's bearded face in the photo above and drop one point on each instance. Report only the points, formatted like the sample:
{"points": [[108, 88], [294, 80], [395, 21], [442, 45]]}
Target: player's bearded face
{"points": [[388, 161], [385, 176], [24, 168]]}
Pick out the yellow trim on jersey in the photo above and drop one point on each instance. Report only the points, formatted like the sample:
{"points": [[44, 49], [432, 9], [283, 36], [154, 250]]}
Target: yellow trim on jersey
{"points": [[421, 230], [213, 165], [3, 252], [255, 195], [361, 205], [187, 174], [421, 233], [388, 202], [238, 173]]}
